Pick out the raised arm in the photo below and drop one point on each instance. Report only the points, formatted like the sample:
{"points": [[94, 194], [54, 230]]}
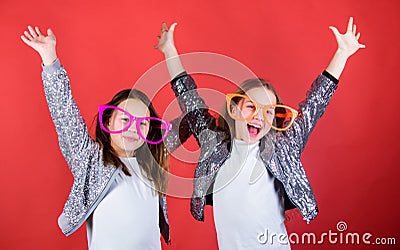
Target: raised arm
{"points": [[73, 135], [347, 45], [322, 89], [196, 117], [167, 46]]}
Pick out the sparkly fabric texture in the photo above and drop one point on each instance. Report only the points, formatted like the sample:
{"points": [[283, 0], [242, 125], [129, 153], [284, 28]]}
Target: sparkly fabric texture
{"points": [[84, 156], [280, 151]]}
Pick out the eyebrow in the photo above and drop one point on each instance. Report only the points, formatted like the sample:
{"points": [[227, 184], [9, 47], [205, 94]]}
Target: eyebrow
{"points": [[247, 100], [121, 113]]}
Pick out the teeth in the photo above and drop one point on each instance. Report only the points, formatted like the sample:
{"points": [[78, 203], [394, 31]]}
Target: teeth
{"points": [[254, 125]]}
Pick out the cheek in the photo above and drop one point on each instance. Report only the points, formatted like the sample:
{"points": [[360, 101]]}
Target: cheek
{"points": [[266, 130], [268, 117], [245, 113], [115, 124], [144, 130], [240, 126], [115, 139]]}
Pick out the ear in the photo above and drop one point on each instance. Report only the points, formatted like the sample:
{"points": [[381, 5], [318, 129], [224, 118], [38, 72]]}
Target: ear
{"points": [[234, 109], [107, 124]]}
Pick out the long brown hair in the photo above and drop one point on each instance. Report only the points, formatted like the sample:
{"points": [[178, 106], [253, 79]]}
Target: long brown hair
{"points": [[225, 122], [152, 158]]}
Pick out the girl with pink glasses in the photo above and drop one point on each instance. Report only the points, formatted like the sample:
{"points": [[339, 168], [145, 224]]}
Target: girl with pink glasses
{"points": [[120, 177]]}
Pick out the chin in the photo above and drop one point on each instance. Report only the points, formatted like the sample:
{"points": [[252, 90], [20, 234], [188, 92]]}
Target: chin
{"points": [[131, 149], [248, 139]]}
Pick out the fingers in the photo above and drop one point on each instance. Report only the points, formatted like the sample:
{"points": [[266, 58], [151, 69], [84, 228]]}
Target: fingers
{"points": [[27, 35], [164, 28], [350, 25], [358, 37], [50, 33], [38, 31], [354, 31], [334, 30], [32, 32], [25, 40], [172, 27]]}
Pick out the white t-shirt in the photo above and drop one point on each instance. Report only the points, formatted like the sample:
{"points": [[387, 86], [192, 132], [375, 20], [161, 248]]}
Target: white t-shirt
{"points": [[248, 213], [127, 217]]}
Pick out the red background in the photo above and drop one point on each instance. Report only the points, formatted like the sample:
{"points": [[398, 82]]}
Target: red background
{"points": [[107, 45]]}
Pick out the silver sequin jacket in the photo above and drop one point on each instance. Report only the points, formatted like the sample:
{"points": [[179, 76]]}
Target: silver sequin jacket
{"points": [[92, 179], [280, 151]]}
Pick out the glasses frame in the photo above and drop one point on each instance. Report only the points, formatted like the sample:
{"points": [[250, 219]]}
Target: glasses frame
{"points": [[167, 125], [264, 109]]}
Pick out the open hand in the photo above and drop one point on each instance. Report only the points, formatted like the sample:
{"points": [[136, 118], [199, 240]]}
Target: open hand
{"points": [[166, 38], [44, 45], [348, 42]]}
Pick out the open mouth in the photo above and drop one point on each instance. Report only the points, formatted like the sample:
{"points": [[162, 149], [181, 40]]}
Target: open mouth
{"points": [[254, 129]]}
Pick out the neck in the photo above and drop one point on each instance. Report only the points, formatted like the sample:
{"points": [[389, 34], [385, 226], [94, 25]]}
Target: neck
{"points": [[125, 154]]}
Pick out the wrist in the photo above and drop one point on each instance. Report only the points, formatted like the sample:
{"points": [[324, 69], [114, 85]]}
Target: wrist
{"points": [[342, 54], [48, 59], [170, 50]]}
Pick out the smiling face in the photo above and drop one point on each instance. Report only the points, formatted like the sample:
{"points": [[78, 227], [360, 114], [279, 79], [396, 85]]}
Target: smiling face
{"points": [[126, 143], [251, 131]]}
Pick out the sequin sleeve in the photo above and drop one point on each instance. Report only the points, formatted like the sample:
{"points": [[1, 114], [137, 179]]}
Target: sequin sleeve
{"points": [[179, 134], [312, 108], [195, 119], [73, 136]]}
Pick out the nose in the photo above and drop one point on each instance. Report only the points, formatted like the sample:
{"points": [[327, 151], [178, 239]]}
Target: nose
{"points": [[132, 128], [258, 115]]}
